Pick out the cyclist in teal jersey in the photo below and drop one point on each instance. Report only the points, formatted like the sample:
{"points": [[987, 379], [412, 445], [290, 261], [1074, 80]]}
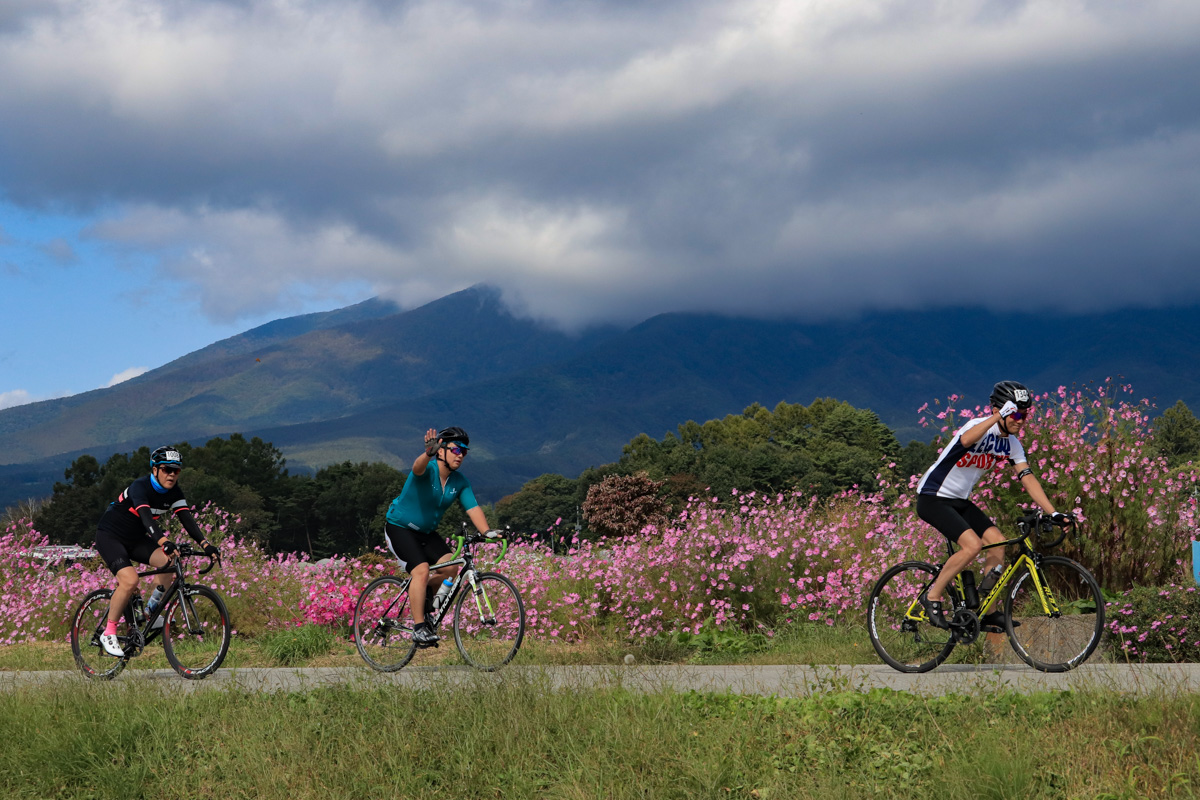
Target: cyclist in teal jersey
{"points": [[433, 485]]}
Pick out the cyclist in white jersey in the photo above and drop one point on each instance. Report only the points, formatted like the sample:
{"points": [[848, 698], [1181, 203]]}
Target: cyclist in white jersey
{"points": [[942, 494]]}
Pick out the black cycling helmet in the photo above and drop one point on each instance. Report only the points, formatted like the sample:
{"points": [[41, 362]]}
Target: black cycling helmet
{"points": [[166, 456], [1006, 391], [456, 435]]}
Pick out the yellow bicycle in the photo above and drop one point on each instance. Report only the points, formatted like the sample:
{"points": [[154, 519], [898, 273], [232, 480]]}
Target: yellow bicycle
{"points": [[1053, 607]]}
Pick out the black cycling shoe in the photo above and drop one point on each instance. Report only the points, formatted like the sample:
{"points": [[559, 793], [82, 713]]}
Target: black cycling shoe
{"points": [[994, 622], [933, 610], [424, 636]]}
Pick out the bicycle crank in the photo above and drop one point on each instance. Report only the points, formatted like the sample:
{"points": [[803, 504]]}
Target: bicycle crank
{"points": [[965, 625]]}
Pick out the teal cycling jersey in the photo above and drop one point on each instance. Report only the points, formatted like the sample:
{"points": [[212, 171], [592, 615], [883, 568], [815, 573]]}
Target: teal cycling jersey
{"points": [[422, 501]]}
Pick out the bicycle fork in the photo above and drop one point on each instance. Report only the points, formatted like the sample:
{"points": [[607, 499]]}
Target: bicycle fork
{"points": [[487, 617]]}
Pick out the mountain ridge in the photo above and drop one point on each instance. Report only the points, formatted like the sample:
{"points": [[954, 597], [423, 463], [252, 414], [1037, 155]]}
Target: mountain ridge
{"points": [[361, 383]]}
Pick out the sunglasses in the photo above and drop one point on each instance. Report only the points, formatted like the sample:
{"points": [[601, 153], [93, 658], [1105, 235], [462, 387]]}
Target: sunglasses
{"points": [[1020, 416], [171, 470], [458, 451]]}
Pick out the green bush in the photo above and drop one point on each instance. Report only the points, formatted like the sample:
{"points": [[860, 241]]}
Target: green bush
{"points": [[289, 646], [1156, 623]]}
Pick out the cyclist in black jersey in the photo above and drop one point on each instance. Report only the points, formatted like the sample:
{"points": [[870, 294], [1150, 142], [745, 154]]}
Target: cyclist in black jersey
{"points": [[129, 531], [944, 489]]}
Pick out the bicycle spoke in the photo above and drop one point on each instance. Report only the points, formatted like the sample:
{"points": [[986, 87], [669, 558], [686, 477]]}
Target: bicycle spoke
{"points": [[383, 626], [489, 622], [899, 629], [196, 632], [86, 626], [1064, 638]]}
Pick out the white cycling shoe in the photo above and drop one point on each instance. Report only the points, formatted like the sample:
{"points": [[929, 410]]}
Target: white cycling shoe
{"points": [[111, 645]]}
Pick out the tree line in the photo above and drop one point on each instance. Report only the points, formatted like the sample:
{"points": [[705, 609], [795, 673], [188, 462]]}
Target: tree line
{"points": [[822, 448]]}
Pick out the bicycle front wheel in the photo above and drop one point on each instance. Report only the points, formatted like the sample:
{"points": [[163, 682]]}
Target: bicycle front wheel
{"points": [[1057, 628], [489, 621], [196, 632], [86, 626], [383, 626], [900, 631]]}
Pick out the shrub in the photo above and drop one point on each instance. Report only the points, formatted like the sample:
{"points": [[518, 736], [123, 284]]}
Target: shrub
{"points": [[623, 505], [1156, 623]]}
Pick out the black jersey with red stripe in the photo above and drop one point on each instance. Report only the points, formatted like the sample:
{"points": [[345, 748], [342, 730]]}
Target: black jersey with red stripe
{"points": [[122, 518]]}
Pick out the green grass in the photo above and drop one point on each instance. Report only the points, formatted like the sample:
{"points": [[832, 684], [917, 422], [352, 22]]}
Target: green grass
{"points": [[517, 739]]}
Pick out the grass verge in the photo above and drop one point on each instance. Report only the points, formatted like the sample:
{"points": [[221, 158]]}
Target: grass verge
{"points": [[520, 739]]}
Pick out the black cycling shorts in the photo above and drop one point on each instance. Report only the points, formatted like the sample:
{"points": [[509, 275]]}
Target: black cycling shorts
{"points": [[951, 516], [414, 548], [119, 552]]}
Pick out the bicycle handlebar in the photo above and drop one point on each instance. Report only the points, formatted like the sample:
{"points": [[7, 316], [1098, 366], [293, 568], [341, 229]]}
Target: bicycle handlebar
{"points": [[1038, 523], [186, 550], [492, 536]]}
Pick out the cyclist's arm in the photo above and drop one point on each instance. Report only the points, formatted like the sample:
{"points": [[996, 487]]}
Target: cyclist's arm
{"points": [[422, 461], [478, 519], [151, 524], [188, 520], [971, 436], [1033, 487]]}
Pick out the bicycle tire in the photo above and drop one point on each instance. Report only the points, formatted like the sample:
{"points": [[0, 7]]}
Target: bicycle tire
{"points": [[1055, 643], [87, 623], [905, 644], [196, 632], [489, 631], [383, 628]]}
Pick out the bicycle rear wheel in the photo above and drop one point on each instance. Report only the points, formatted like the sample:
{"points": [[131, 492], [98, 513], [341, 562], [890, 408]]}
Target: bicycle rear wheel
{"points": [[1048, 639], [489, 621], [900, 631], [383, 626], [196, 632], [86, 626]]}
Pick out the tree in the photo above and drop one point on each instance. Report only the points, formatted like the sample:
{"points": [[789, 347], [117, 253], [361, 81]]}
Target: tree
{"points": [[538, 504], [1177, 435]]}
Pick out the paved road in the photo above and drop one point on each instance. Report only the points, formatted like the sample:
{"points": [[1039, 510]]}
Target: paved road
{"points": [[767, 680]]}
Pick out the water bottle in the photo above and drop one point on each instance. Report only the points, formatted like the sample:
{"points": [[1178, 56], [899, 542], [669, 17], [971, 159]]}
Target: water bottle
{"points": [[989, 580], [969, 593], [155, 599], [443, 594], [139, 611]]}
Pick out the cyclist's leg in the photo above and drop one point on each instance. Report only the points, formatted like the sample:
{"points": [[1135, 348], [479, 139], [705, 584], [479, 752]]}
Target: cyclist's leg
{"points": [[115, 552], [437, 552], [408, 551], [946, 516], [159, 559], [993, 558], [970, 546]]}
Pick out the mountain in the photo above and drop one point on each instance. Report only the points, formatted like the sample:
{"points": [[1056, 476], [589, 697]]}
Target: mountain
{"points": [[317, 367], [363, 383]]}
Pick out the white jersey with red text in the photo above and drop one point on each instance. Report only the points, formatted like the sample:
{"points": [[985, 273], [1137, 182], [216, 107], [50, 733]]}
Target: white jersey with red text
{"points": [[958, 468]]}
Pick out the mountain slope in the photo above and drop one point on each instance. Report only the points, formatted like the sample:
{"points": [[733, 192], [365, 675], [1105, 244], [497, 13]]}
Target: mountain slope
{"points": [[294, 372]]}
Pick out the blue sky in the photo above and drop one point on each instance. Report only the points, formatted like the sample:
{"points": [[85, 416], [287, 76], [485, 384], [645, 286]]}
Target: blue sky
{"points": [[175, 172]]}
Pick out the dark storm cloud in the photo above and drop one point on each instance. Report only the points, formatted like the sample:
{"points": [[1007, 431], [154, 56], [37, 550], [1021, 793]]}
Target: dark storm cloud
{"points": [[618, 159]]}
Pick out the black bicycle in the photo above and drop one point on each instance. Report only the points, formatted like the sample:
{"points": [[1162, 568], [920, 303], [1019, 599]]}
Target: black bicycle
{"points": [[1053, 608], [488, 614], [191, 619]]}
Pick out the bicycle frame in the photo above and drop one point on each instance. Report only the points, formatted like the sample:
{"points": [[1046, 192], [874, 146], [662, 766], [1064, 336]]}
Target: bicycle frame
{"points": [[146, 633], [462, 558], [1029, 558]]}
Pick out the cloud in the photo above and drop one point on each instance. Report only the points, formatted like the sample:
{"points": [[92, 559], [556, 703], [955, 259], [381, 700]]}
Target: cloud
{"points": [[17, 397], [60, 251], [125, 375], [605, 159]]}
